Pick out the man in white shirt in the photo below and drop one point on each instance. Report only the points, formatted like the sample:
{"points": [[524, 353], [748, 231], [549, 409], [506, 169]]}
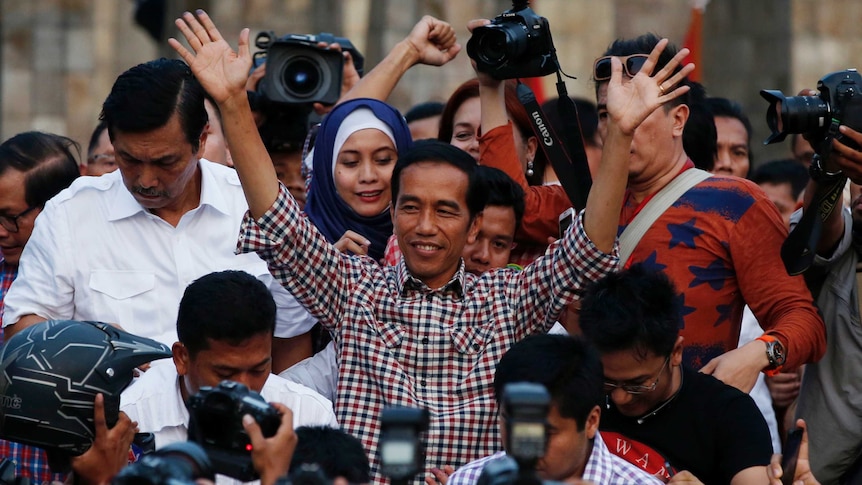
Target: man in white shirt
{"points": [[224, 323], [121, 248]]}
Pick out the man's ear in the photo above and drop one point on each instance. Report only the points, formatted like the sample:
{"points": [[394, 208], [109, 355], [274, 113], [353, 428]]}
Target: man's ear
{"points": [[676, 353], [680, 114], [202, 141], [473, 230], [182, 359], [592, 424]]}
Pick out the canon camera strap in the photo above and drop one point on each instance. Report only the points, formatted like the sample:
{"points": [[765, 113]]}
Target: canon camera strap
{"points": [[574, 172], [799, 248]]}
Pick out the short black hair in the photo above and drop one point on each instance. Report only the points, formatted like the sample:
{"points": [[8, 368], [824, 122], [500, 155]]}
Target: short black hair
{"points": [[699, 137], [438, 151], [635, 309], [337, 453], [146, 96], [787, 171], [47, 160], [568, 367], [644, 44], [729, 109], [502, 190], [94, 137], [230, 306], [424, 110]]}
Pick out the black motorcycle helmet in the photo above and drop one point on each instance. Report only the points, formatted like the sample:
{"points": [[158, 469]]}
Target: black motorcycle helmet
{"points": [[51, 373]]}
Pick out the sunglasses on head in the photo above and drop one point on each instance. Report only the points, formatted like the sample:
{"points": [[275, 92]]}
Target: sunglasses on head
{"points": [[631, 66]]}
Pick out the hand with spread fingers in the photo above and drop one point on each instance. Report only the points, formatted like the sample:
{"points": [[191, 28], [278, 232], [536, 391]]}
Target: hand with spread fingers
{"points": [[631, 100], [222, 72]]}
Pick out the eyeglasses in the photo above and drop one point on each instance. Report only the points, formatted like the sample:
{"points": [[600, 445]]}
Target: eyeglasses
{"points": [[10, 223], [631, 66], [637, 388]]}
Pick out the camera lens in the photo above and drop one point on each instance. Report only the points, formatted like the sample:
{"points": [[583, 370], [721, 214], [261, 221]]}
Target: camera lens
{"points": [[492, 47], [301, 77]]}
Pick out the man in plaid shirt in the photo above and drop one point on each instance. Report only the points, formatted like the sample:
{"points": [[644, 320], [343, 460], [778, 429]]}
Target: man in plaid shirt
{"points": [[423, 333]]}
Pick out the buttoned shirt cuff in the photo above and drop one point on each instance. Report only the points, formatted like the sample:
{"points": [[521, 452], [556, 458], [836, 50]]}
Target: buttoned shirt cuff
{"points": [[596, 263]]}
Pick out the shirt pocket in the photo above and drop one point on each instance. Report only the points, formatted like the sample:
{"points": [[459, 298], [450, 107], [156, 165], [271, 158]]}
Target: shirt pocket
{"points": [[471, 339], [127, 297]]}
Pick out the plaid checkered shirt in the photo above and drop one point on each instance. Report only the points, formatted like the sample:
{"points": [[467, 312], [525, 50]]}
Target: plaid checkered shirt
{"points": [[401, 343], [602, 467], [30, 461]]}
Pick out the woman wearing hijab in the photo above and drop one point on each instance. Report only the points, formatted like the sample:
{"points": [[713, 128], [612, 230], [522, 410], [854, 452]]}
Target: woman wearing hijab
{"points": [[349, 194]]}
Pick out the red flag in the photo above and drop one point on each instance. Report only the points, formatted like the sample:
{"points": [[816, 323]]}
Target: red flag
{"points": [[694, 39]]}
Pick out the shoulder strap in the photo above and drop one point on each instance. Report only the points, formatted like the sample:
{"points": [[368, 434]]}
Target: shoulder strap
{"points": [[660, 202]]}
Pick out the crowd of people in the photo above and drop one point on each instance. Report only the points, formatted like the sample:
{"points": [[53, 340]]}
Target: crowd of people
{"points": [[383, 260]]}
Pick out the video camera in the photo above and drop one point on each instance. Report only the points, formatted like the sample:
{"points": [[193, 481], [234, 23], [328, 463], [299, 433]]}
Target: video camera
{"points": [[299, 73], [176, 464], [525, 408], [216, 424], [818, 117], [515, 44]]}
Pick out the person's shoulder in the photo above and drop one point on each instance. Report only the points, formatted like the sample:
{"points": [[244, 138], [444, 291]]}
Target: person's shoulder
{"points": [[87, 186], [711, 391], [158, 381], [469, 473], [221, 173], [281, 390]]}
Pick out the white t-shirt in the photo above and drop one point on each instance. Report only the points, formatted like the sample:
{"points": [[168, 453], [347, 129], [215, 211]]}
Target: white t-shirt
{"points": [[96, 254], [155, 402]]}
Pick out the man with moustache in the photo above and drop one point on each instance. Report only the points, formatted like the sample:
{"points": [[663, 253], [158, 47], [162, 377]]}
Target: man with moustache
{"points": [[121, 248]]}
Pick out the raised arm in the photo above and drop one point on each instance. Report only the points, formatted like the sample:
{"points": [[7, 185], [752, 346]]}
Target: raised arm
{"points": [[629, 103], [223, 73], [431, 42]]}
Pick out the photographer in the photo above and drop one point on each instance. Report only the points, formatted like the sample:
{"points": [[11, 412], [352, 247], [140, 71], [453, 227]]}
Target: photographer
{"points": [[570, 369], [828, 397]]}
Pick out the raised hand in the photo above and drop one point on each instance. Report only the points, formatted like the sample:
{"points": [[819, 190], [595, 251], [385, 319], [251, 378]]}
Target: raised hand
{"points": [[630, 101], [434, 41], [222, 71]]}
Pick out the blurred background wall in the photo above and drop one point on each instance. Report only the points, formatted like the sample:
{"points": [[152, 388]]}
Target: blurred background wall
{"points": [[60, 57]]}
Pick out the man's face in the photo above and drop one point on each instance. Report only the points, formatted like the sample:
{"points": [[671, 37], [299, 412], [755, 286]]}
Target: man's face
{"points": [[732, 141], [216, 149], [627, 367], [782, 196], [432, 222], [101, 160], [654, 140], [493, 244], [424, 128], [12, 203], [288, 169], [158, 166], [248, 363], [802, 151], [567, 449]]}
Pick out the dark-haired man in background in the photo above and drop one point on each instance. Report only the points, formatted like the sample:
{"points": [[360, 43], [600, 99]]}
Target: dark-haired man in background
{"points": [[122, 247]]}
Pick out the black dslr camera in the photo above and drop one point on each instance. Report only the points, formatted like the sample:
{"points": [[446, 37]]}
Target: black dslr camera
{"points": [[216, 424], [516, 44], [818, 117], [176, 464], [299, 72], [401, 452]]}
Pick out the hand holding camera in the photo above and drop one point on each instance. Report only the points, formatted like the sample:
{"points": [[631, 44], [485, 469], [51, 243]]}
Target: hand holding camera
{"points": [[271, 456]]}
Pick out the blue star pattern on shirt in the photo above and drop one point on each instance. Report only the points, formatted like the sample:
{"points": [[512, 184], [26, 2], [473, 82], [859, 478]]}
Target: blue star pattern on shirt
{"points": [[684, 233], [684, 311], [723, 314], [651, 262], [714, 275]]}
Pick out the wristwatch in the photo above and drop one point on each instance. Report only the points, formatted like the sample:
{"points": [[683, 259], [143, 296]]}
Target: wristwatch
{"points": [[775, 353]]}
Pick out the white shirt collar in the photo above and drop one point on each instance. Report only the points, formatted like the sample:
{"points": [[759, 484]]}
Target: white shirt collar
{"points": [[124, 204]]}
